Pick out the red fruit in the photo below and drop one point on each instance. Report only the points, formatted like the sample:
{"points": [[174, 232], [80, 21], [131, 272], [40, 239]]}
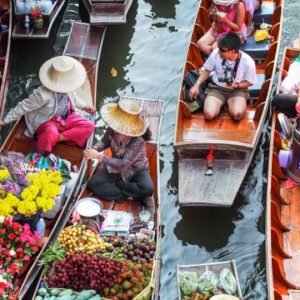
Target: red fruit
{"points": [[126, 285], [138, 274]]}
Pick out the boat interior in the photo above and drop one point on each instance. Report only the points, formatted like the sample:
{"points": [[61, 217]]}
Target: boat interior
{"points": [[283, 222]]}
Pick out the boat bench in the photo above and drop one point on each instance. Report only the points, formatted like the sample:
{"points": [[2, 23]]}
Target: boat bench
{"points": [[265, 13], [254, 89], [257, 50]]}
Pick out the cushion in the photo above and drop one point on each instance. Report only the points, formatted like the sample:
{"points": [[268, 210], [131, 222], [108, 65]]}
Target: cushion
{"points": [[257, 50]]}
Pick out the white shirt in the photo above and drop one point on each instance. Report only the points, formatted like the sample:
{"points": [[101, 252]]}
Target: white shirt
{"points": [[246, 69]]}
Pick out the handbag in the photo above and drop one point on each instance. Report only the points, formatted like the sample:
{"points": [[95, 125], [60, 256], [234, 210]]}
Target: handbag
{"points": [[189, 81]]}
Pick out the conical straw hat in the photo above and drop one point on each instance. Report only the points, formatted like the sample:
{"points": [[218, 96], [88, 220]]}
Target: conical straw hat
{"points": [[62, 74], [124, 117], [225, 2], [224, 297]]}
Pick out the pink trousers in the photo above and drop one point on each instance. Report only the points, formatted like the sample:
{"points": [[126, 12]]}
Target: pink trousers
{"points": [[77, 130]]}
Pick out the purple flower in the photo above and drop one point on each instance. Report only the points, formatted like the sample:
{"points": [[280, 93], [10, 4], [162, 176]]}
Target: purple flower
{"points": [[12, 187]]}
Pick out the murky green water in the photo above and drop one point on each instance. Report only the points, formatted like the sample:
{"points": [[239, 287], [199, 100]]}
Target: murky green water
{"points": [[148, 53]]}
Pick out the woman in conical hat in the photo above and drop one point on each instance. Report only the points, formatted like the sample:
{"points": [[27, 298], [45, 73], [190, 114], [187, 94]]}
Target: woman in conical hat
{"points": [[50, 111], [227, 16], [124, 174]]}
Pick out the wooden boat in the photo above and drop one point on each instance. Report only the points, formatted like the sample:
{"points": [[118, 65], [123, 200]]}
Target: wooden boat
{"points": [[5, 35], [235, 141], [20, 31], [154, 111], [282, 217], [104, 12], [84, 44], [215, 267]]}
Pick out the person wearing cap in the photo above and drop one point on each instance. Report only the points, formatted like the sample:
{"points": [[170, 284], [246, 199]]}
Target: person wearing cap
{"points": [[227, 16], [50, 111], [125, 173]]}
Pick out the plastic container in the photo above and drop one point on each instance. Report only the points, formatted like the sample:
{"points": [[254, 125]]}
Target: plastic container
{"points": [[41, 226], [70, 184]]}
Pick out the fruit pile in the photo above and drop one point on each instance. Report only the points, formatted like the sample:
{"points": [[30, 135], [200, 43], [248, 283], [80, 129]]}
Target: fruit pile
{"points": [[78, 238]]}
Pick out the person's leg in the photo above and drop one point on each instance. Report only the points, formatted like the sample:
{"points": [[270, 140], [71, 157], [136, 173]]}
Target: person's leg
{"points": [[285, 104], [103, 184], [47, 137], [205, 43], [212, 105], [237, 107], [77, 130], [140, 185]]}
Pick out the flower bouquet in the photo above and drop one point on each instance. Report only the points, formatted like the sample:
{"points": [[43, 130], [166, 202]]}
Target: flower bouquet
{"points": [[17, 245], [37, 18]]}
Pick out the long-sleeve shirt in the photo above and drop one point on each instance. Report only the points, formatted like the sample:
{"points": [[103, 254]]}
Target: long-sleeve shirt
{"points": [[127, 158]]}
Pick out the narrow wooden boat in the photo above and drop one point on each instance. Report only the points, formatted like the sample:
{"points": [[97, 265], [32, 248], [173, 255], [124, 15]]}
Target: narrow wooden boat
{"points": [[235, 141], [104, 12], [20, 31], [154, 111], [216, 268], [5, 38], [84, 44], [282, 215]]}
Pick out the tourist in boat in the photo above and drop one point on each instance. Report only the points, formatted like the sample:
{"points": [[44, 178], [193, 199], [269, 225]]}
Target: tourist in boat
{"points": [[125, 173], [251, 7], [227, 16], [233, 71], [50, 111]]}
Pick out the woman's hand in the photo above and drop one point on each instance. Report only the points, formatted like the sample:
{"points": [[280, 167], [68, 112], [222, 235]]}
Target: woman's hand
{"points": [[90, 109], [2, 123], [91, 153]]}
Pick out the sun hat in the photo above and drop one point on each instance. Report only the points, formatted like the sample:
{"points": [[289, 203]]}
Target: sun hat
{"points": [[124, 117], [224, 297], [225, 2], [62, 74]]}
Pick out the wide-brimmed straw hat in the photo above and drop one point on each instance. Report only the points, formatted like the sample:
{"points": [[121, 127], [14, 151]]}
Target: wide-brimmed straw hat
{"points": [[224, 297], [62, 74], [225, 2], [124, 117]]}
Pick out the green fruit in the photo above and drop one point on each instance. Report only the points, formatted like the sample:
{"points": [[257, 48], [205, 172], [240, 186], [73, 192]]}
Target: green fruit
{"points": [[42, 291]]}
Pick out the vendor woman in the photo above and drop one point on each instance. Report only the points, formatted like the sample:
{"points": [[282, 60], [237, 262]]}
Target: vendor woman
{"points": [[125, 173], [50, 111]]}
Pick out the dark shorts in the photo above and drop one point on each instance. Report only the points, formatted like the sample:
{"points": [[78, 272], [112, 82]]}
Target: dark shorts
{"points": [[224, 94]]}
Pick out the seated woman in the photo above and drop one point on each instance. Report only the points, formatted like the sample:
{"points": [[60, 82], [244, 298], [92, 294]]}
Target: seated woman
{"points": [[124, 174], [251, 7], [50, 111], [227, 16]]}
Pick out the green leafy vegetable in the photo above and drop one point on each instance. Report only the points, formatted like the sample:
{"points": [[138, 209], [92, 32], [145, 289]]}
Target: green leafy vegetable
{"points": [[188, 282], [207, 282], [228, 282]]}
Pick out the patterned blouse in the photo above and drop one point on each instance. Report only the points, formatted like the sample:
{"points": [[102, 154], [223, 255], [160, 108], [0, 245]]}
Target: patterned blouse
{"points": [[127, 157]]}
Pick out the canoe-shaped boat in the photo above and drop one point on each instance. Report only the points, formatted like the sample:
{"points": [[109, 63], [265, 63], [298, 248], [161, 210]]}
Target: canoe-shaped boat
{"points": [[24, 25], [210, 274], [282, 214], [235, 141], [154, 111], [104, 12], [5, 40], [84, 44]]}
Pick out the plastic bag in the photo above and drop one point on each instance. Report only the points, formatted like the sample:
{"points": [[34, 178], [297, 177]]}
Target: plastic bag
{"points": [[207, 282], [227, 282], [188, 282]]}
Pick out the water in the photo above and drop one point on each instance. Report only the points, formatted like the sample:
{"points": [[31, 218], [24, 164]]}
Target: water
{"points": [[148, 53]]}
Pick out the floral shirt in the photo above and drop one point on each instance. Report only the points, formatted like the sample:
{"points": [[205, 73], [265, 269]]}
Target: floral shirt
{"points": [[127, 158]]}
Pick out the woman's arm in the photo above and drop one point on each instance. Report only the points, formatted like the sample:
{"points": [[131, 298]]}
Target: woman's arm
{"points": [[240, 18]]}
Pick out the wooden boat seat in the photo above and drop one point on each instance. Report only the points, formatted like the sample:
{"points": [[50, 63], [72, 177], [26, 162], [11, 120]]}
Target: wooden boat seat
{"points": [[257, 50], [26, 144], [265, 13]]}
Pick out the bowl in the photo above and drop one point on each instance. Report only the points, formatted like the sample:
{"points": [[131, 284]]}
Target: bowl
{"points": [[89, 207]]}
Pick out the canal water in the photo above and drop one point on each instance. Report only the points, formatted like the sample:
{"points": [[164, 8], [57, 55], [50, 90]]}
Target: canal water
{"points": [[148, 54]]}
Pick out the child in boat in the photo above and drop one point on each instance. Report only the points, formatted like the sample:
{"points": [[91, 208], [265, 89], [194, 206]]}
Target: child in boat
{"points": [[227, 16], [251, 7], [125, 173], [50, 111], [233, 71]]}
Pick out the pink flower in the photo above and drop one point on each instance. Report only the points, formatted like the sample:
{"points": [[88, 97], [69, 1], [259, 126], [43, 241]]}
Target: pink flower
{"points": [[26, 257]]}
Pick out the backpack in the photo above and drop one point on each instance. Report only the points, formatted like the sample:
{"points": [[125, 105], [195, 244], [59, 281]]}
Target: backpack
{"points": [[190, 79]]}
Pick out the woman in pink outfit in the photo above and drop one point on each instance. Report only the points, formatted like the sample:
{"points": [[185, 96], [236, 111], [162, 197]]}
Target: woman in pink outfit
{"points": [[227, 16], [50, 111]]}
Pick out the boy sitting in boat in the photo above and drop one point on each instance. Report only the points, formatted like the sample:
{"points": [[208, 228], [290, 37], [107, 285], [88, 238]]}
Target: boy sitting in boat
{"points": [[124, 174], [233, 71], [50, 110]]}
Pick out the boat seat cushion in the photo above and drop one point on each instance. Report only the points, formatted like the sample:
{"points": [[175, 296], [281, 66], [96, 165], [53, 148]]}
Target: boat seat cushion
{"points": [[265, 13], [257, 50], [255, 88]]}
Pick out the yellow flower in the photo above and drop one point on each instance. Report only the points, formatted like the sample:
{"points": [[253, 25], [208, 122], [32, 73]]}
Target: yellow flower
{"points": [[12, 200], [27, 208], [5, 209], [4, 173]]}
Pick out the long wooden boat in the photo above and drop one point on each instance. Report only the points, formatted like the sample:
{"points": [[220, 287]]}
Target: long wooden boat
{"points": [[235, 141], [185, 272], [84, 43], [5, 41], [104, 12], [154, 111], [282, 217], [20, 31]]}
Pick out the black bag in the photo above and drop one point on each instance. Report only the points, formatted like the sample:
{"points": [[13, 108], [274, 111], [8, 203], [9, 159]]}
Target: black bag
{"points": [[190, 79]]}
